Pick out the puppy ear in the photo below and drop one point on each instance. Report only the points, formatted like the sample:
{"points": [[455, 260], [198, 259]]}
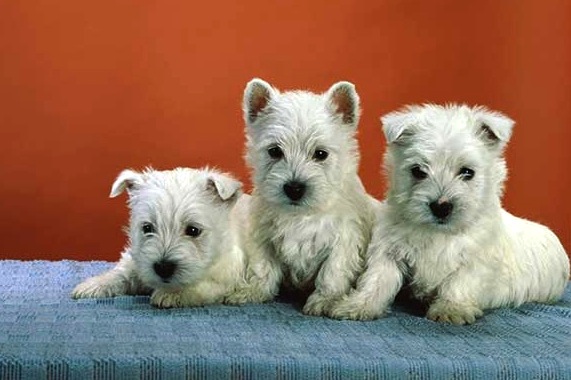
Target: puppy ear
{"points": [[224, 186], [345, 101], [495, 128], [127, 179], [397, 125], [257, 95]]}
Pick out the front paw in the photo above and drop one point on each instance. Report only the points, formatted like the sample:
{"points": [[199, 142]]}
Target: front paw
{"points": [[318, 304], [451, 312], [248, 294], [166, 300], [354, 309], [96, 287]]}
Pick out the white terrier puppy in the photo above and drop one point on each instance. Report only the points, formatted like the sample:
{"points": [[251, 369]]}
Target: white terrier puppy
{"points": [[311, 217], [443, 223], [184, 238]]}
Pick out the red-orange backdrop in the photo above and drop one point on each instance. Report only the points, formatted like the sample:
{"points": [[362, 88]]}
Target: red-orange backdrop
{"points": [[88, 88]]}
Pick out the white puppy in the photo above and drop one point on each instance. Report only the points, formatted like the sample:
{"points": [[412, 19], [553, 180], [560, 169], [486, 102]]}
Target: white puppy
{"points": [[444, 225], [184, 238], [311, 217]]}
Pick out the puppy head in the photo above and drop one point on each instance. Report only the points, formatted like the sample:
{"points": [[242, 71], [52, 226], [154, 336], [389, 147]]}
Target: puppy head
{"points": [[445, 163], [300, 146], [177, 222]]}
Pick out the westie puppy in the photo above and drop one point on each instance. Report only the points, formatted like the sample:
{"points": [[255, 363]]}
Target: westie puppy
{"points": [[184, 240], [311, 217], [444, 225]]}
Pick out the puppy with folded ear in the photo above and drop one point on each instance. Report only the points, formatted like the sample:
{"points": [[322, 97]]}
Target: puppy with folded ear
{"points": [[443, 225], [184, 238]]}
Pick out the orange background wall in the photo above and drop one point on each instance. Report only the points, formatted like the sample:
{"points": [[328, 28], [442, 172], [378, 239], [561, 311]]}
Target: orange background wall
{"points": [[88, 88]]}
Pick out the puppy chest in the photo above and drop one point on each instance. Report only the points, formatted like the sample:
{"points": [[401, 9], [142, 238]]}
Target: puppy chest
{"points": [[302, 252], [431, 266]]}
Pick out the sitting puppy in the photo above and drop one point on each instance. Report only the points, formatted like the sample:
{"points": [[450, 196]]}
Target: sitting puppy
{"points": [[311, 217], [444, 225], [184, 240]]}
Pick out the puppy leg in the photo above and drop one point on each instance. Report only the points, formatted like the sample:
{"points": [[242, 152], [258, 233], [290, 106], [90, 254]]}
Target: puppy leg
{"points": [[456, 301], [120, 280], [337, 274], [261, 280], [375, 291]]}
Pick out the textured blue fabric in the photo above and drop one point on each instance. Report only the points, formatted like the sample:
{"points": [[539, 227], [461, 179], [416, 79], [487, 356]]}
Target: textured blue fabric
{"points": [[46, 335]]}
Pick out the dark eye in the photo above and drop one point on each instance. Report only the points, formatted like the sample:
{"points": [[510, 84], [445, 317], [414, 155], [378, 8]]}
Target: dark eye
{"points": [[418, 173], [192, 231], [275, 152], [320, 155], [466, 174], [148, 228]]}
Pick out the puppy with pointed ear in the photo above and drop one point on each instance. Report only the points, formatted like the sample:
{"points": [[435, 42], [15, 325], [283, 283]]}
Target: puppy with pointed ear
{"points": [[443, 226], [257, 96], [311, 217], [185, 245]]}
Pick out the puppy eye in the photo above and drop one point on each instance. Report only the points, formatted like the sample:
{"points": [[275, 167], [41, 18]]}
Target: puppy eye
{"points": [[466, 174], [148, 228], [192, 231], [275, 152], [418, 173], [320, 155]]}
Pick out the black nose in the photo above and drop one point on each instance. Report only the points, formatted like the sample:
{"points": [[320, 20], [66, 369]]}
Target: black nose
{"points": [[164, 269], [294, 190], [441, 210]]}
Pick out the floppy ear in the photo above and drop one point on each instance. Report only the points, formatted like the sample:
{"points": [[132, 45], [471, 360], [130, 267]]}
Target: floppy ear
{"points": [[397, 125], [127, 179], [495, 128], [224, 186], [344, 100], [257, 95]]}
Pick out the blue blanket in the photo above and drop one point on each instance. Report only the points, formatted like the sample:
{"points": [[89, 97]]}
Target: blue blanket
{"points": [[46, 335]]}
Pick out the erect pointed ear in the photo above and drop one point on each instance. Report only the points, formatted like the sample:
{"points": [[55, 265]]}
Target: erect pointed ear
{"points": [[127, 179], [397, 125], [494, 127], [344, 100], [224, 186], [257, 95]]}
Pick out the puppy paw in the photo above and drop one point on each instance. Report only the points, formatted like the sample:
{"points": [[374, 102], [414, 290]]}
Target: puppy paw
{"points": [[166, 300], [317, 304], [95, 287], [247, 294], [353, 309], [185, 297], [450, 312]]}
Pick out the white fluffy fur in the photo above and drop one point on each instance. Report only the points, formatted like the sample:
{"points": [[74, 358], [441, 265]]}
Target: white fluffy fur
{"points": [[318, 242], [208, 266], [481, 256]]}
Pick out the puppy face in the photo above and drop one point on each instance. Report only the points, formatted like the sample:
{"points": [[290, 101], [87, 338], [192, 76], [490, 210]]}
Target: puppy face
{"points": [[300, 145], [445, 164], [177, 220]]}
